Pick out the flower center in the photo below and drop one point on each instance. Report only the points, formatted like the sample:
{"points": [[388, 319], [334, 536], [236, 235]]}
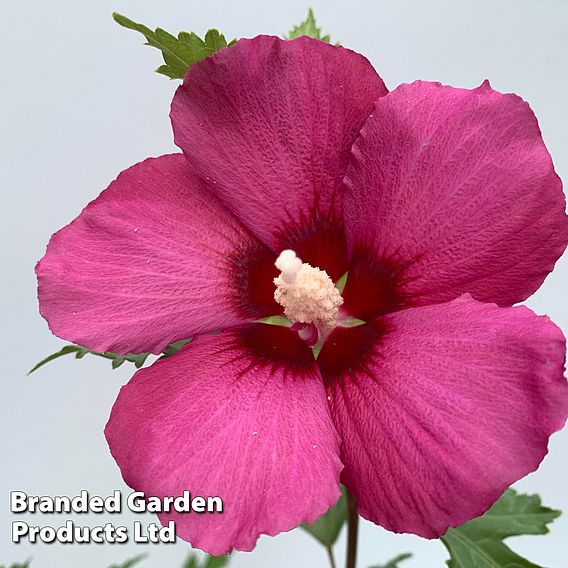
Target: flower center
{"points": [[307, 294]]}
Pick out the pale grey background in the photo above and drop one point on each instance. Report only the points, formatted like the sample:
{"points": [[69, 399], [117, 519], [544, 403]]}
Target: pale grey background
{"points": [[79, 103]]}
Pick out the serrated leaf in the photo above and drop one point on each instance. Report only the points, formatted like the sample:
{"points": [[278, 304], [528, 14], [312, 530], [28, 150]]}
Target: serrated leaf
{"points": [[117, 360], [180, 52], [512, 515], [131, 562], [326, 529], [80, 352], [479, 543], [308, 28], [395, 562], [485, 553]]}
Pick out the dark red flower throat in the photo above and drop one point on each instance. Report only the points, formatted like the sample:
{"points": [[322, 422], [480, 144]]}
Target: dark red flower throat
{"points": [[373, 288]]}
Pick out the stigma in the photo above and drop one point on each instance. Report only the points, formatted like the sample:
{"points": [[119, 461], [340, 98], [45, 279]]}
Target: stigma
{"points": [[307, 294]]}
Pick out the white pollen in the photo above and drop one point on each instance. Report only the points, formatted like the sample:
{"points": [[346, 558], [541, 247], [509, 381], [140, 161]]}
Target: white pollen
{"points": [[307, 294]]}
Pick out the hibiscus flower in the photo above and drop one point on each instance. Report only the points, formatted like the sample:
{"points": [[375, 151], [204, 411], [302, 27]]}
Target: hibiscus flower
{"points": [[443, 208]]}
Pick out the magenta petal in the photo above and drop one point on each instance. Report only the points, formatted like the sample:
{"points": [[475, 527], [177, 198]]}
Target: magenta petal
{"points": [[449, 406], [457, 189], [271, 123], [148, 262], [220, 419]]}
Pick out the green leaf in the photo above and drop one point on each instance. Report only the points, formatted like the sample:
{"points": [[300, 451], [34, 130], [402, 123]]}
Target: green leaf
{"points": [[117, 360], [479, 543], [131, 562], [216, 561], [512, 515], [394, 563], [327, 528], [180, 52], [209, 561], [80, 352], [485, 553], [26, 564], [174, 347], [191, 562], [308, 28]]}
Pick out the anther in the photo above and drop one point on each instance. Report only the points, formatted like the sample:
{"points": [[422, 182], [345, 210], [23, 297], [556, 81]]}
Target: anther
{"points": [[307, 294]]}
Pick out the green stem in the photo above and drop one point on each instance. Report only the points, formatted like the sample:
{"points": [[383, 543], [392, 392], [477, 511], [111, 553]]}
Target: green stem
{"points": [[353, 531], [331, 556]]}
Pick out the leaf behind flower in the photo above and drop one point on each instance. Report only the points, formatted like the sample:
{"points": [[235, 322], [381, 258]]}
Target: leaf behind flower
{"points": [[308, 28], [180, 52], [512, 515], [326, 529], [117, 360], [479, 543]]}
